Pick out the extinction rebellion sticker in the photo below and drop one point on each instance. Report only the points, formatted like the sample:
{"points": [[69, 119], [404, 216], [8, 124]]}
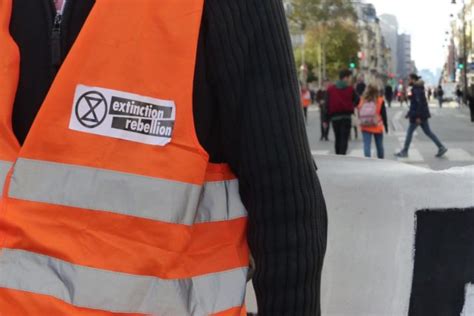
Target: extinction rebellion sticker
{"points": [[122, 115]]}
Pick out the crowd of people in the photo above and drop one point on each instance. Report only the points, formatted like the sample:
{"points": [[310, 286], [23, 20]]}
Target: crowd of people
{"points": [[348, 106]]}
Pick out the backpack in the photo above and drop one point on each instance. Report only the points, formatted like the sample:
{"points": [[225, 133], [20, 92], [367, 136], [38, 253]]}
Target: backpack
{"points": [[368, 115]]}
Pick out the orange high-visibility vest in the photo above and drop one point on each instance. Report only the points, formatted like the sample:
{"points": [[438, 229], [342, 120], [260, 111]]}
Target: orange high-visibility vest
{"points": [[305, 98], [379, 128], [111, 205]]}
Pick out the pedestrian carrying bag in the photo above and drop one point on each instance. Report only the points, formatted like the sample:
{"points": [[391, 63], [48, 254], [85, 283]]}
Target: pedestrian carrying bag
{"points": [[368, 114]]}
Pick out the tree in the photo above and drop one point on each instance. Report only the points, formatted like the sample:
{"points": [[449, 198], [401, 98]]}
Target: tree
{"points": [[330, 40], [338, 41], [310, 13]]}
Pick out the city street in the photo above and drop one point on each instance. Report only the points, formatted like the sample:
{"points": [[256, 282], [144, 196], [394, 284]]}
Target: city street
{"points": [[451, 124]]}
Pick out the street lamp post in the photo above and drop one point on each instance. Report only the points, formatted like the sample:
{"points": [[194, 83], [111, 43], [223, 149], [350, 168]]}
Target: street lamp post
{"points": [[303, 67], [464, 51]]}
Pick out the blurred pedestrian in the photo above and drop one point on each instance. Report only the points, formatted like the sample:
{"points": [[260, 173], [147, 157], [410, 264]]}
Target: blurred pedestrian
{"points": [[340, 100], [360, 88], [470, 101], [313, 95], [355, 124], [430, 93], [418, 115], [389, 94], [402, 94], [372, 119], [440, 95], [459, 95], [321, 97], [305, 100]]}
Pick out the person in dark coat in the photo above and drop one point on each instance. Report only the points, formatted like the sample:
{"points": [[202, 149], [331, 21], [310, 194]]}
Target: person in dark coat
{"points": [[459, 95], [321, 97], [418, 115], [389, 95], [440, 95], [360, 89], [470, 101]]}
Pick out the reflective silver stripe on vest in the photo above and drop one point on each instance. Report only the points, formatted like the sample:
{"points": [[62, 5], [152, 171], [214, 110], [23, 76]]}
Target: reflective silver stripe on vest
{"points": [[122, 193], [118, 292], [4, 168], [220, 201]]}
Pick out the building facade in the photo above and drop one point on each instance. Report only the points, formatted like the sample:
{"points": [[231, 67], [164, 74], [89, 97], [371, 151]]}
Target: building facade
{"points": [[469, 19], [405, 62], [389, 26], [460, 50], [375, 63]]}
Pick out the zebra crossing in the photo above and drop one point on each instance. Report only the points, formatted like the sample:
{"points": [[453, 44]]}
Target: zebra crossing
{"points": [[433, 104], [450, 123], [415, 158], [395, 141], [453, 155]]}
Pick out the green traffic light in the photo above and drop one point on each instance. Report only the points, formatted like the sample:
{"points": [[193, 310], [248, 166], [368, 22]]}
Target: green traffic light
{"points": [[461, 66], [352, 65]]}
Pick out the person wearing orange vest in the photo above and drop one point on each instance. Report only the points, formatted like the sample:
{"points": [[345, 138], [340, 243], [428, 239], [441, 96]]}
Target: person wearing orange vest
{"points": [[305, 99], [372, 115], [138, 163]]}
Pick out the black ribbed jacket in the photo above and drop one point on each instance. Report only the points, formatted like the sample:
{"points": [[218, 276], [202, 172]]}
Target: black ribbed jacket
{"points": [[247, 113]]}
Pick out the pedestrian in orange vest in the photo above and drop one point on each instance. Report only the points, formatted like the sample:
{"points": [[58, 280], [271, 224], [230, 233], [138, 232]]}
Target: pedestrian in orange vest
{"points": [[372, 115], [305, 95], [140, 163]]}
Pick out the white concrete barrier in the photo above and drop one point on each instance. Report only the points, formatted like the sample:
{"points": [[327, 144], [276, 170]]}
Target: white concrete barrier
{"points": [[372, 209]]}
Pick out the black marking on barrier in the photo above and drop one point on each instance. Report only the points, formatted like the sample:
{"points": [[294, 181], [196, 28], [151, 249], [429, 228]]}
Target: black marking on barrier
{"points": [[444, 261]]}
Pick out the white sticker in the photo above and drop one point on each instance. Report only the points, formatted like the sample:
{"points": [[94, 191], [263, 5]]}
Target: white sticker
{"points": [[122, 115]]}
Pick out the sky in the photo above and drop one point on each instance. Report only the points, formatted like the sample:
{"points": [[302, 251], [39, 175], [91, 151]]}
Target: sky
{"points": [[427, 21]]}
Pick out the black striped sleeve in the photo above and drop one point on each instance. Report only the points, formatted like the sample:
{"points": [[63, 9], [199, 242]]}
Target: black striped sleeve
{"points": [[251, 73]]}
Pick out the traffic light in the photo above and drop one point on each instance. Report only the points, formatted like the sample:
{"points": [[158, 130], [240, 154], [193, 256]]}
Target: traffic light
{"points": [[352, 65], [461, 66]]}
